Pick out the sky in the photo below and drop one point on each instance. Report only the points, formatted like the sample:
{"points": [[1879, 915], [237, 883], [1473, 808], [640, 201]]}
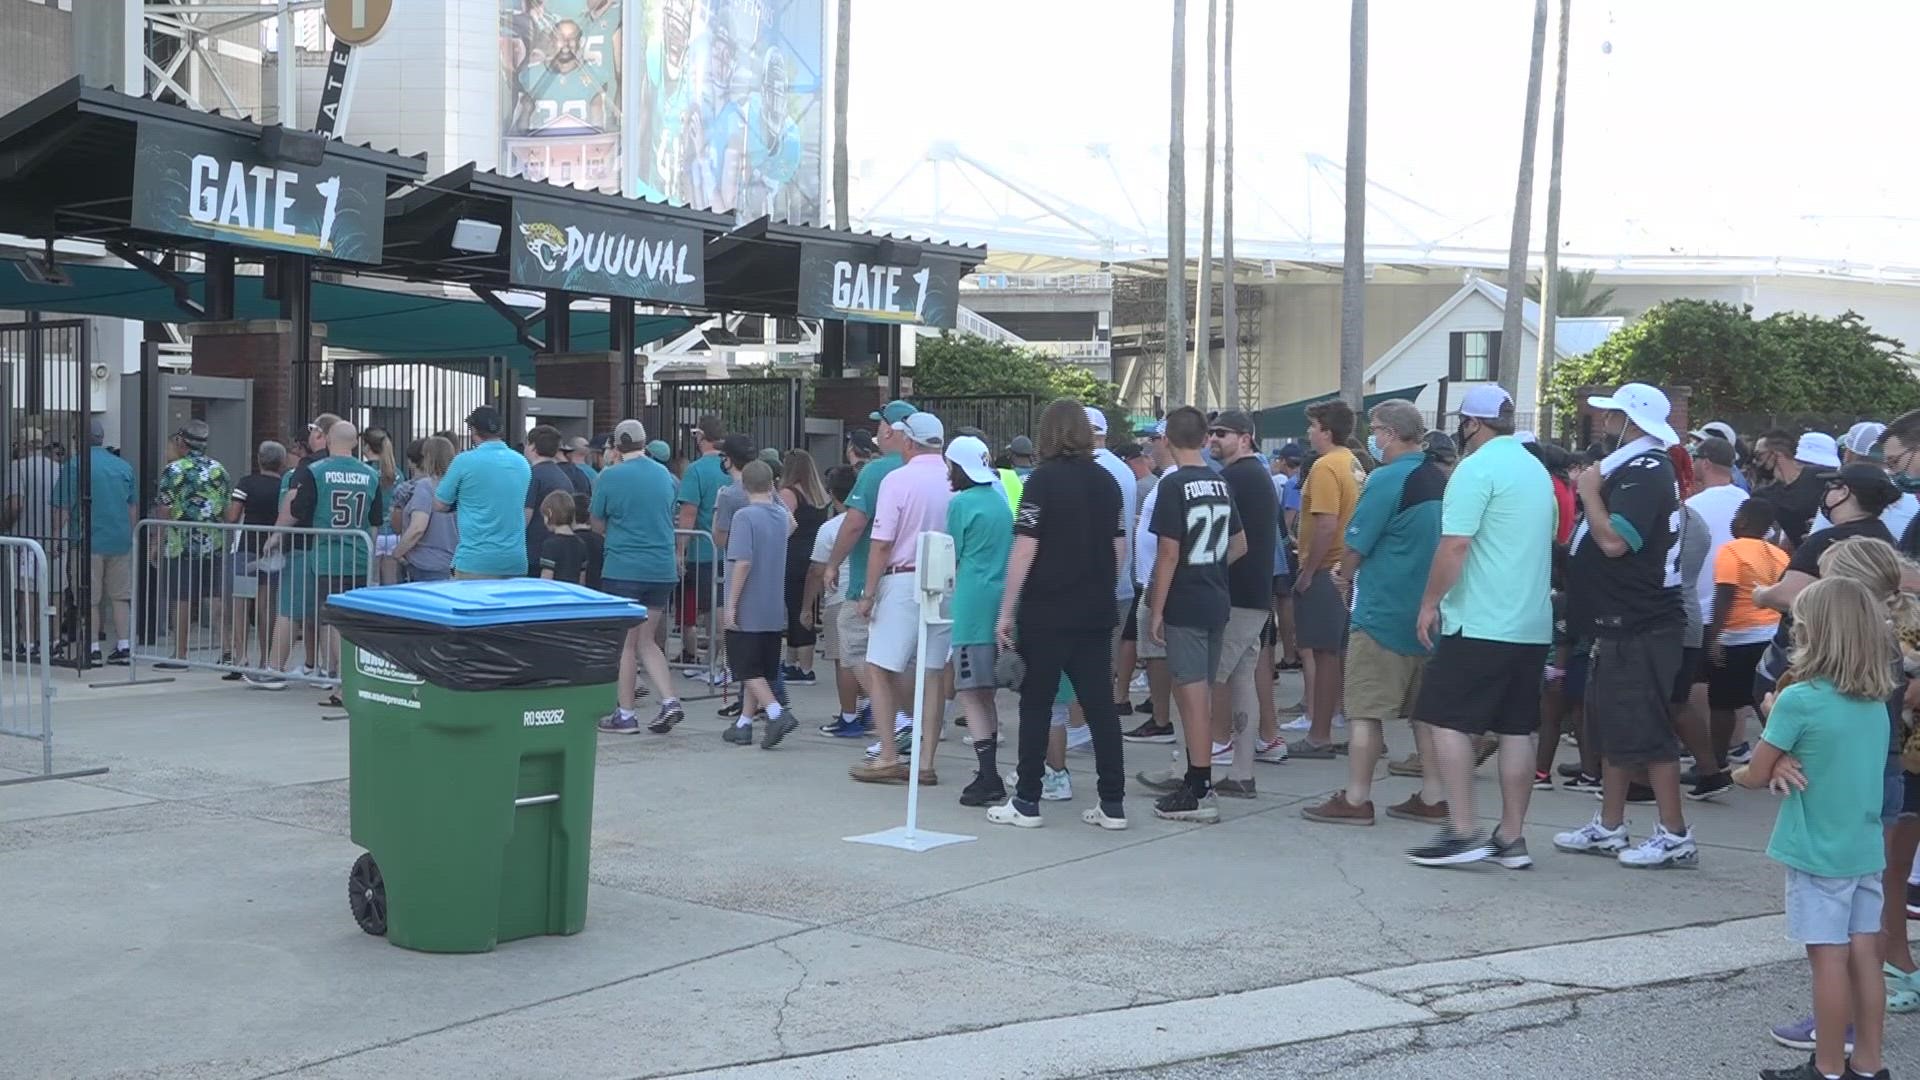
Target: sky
{"points": [[1711, 127]]}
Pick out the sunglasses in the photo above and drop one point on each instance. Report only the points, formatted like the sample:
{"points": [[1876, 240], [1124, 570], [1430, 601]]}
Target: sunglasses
{"points": [[1221, 433]]}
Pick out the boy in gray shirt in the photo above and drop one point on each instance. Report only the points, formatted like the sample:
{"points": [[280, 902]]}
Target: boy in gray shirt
{"points": [[755, 612]]}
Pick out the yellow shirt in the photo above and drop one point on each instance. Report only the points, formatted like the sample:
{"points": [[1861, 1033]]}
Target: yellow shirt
{"points": [[1332, 487]]}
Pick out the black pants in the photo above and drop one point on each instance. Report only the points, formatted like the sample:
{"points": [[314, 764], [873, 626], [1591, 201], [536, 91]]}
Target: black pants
{"points": [[1085, 657]]}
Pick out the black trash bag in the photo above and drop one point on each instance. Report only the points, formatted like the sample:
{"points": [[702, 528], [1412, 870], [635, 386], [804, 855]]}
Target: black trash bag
{"points": [[514, 656]]}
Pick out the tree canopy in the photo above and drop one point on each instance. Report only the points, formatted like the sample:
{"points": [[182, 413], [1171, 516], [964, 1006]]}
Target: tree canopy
{"points": [[967, 364], [1733, 363]]}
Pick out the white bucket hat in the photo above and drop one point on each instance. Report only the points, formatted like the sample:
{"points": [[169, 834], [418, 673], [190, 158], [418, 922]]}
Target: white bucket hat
{"points": [[1645, 405]]}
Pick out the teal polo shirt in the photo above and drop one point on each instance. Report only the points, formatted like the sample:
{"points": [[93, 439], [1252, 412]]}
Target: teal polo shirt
{"points": [[112, 489], [487, 488], [1395, 529]]}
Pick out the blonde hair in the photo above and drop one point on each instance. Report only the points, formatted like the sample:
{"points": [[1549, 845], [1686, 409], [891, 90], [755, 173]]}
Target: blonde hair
{"points": [[798, 473], [1875, 564], [1840, 634]]}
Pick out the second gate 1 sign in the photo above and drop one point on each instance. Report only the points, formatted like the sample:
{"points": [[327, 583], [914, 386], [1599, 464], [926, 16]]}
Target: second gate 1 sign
{"points": [[837, 283]]}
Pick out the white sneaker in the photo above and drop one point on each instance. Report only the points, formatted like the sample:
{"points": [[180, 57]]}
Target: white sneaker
{"points": [[1008, 814], [1098, 818], [298, 671], [1079, 739], [1139, 683], [1298, 723], [1056, 785], [1273, 753], [1222, 754], [1662, 850], [1594, 838], [720, 678]]}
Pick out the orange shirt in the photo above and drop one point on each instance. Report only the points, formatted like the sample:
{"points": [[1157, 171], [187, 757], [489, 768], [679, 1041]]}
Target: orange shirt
{"points": [[1746, 563]]}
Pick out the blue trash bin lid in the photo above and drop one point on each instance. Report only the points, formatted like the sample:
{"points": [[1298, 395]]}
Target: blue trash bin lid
{"points": [[473, 603]]}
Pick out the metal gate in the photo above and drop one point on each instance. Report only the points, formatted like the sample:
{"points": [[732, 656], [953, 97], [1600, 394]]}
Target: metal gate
{"points": [[26, 688], [46, 383], [768, 411], [412, 399], [1000, 416]]}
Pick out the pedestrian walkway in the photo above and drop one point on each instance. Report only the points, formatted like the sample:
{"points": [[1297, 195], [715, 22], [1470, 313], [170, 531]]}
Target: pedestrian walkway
{"points": [[196, 894]]}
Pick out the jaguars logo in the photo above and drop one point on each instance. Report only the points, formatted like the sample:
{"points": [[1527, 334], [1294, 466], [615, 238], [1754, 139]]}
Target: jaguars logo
{"points": [[545, 241]]}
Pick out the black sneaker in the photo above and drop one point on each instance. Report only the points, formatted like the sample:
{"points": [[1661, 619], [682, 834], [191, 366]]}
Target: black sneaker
{"points": [[670, 714], [232, 676], [1581, 782], [117, 656], [1511, 854], [738, 734], [1123, 708], [1806, 1070], [1708, 787], [1145, 708], [170, 665], [1150, 732], [1568, 772], [1182, 805], [1692, 776], [1449, 848], [730, 709], [984, 791]]}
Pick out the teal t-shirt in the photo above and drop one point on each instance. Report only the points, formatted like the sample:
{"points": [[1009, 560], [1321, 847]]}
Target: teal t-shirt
{"points": [[487, 488], [982, 531], [1395, 528], [866, 492], [635, 499], [1501, 496], [1832, 829], [112, 490], [346, 499], [699, 486]]}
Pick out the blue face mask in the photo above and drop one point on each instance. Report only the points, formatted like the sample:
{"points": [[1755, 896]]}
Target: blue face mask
{"points": [[1373, 447]]}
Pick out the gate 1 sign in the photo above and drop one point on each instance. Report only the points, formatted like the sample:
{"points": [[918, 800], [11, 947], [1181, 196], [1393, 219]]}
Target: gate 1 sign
{"points": [[836, 284], [221, 187], [555, 246]]}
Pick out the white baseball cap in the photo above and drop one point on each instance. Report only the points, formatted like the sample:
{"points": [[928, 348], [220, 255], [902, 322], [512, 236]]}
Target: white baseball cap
{"points": [[632, 433], [1862, 439], [970, 454], [1645, 405], [1818, 448], [1716, 429], [1484, 402], [924, 428], [1097, 419]]}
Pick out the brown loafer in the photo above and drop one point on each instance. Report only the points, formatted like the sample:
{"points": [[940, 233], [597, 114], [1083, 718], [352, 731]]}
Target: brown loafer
{"points": [[1338, 811], [1416, 809], [874, 772], [1406, 766]]}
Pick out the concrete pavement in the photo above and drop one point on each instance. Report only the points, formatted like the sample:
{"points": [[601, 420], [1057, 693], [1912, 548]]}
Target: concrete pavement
{"points": [[184, 916]]}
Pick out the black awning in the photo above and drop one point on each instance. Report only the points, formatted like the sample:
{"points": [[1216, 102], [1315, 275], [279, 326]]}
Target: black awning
{"points": [[550, 237], [802, 270], [83, 162]]}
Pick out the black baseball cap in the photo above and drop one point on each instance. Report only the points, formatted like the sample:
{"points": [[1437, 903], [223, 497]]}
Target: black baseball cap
{"points": [[862, 441], [1235, 420], [1127, 451], [485, 419], [1862, 477], [1715, 449], [737, 448]]}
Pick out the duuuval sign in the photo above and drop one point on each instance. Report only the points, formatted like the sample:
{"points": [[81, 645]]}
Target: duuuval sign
{"points": [[559, 246]]}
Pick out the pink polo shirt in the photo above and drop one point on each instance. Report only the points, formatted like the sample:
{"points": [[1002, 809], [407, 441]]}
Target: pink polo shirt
{"points": [[912, 500]]}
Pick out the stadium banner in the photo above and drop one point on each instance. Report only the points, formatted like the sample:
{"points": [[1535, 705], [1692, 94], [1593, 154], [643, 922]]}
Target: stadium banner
{"points": [[730, 101], [555, 245], [836, 283], [218, 186]]}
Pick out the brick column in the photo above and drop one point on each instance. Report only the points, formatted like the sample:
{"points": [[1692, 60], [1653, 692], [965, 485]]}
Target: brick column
{"points": [[261, 350], [594, 376]]}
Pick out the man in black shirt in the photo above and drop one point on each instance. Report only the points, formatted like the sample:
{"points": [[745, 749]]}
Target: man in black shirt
{"points": [[1188, 602], [1852, 498], [543, 451], [1623, 591], [1794, 464], [1058, 611], [1249, 593], [256, 502]]}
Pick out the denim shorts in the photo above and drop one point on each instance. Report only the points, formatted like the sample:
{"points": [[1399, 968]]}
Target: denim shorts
{"points": [[1828, 911], [653, 595], [1893, 798]]}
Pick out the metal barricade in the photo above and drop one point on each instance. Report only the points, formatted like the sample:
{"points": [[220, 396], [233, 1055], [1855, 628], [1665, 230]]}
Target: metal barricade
{"points": [[26, 648], [239, 598], [710, 675]]}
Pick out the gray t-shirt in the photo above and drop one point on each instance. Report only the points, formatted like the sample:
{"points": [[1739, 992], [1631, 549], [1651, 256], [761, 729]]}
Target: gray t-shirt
{"points": [[435, 549], [729, 502], [758, 534], [1695, 541]]}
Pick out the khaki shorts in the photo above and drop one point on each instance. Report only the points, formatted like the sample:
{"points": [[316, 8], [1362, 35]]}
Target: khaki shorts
{"points": [[112, 577], [830, 633], [1149, 649], [1381, 683], [1240, 639], [851, 646]]}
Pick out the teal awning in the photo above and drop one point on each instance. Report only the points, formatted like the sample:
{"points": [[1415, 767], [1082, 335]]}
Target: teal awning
{"points": [[1290, 420], [356, 316]]}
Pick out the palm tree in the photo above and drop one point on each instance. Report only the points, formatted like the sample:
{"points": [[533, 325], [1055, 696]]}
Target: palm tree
{"points": [[1353, 276], [1176, 339], [1574, 296], [1229, 307], [1202, 370], [1550, 276], [1522, 212], [841, 79]]}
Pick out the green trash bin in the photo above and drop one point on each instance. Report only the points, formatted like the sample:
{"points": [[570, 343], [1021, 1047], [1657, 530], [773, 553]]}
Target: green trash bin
{"points": [[471, 734]]}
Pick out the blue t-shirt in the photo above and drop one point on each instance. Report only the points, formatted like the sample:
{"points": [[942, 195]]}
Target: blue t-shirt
{"points": [[982, 531], [113, 489], [635, 499], [699, 486], [1501, 496], [1395, 528], [487, 488], [1832, 829]]}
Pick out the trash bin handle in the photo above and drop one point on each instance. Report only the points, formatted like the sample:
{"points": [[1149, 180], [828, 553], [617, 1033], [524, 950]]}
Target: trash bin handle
{"points": [[536, 800]]}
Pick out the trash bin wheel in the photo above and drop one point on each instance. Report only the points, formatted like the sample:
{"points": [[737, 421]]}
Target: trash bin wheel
{"points": [[367, 895]]}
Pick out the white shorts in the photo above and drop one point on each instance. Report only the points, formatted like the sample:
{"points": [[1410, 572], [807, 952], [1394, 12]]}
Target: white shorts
{"points": [[894, 632]]}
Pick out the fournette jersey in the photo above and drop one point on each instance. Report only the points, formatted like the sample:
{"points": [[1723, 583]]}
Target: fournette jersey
{"points": [[1194, 506]]}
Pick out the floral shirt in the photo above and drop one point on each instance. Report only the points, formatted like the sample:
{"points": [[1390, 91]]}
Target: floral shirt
{"points": [[194, 488]]}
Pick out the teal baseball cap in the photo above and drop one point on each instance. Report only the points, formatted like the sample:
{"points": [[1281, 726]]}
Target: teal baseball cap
{"points": [[659, 451], [893, 412]]}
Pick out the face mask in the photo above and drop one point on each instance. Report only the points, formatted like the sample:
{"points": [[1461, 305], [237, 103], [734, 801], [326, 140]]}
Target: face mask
{"points": [[1460, 437], [1908, 484], [1829, 505], [1373, 447]]}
